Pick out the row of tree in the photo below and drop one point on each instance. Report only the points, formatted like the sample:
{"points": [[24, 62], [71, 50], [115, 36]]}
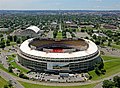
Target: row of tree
{"points": [[99, 68], [112, 84]]}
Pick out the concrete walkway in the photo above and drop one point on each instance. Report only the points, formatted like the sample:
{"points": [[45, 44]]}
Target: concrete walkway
{"points": [[8, 77]]}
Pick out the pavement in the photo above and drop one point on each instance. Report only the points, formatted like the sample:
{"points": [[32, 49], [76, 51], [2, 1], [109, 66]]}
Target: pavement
{"points": [[8, 77], [3, 60], [109, 51], [69, 84], [50, 34], [82, 35], [68, 35], [3, 55]]}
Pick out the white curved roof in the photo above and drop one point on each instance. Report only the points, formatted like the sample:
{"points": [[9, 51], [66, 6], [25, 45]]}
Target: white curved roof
{"points": [[34, 28], [91, 49]]}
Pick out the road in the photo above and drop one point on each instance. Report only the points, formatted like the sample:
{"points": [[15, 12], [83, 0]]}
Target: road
{"points": [[3, 60], [8, 77], [111, 77], [68, 35], [50, 34], [3, 55]]}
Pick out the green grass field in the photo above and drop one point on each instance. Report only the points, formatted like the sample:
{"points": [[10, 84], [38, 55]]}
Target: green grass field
{"points": [[2, 82], [27, 85], [15, 65], [59, 35], [13, 43], [113, 45], [112, 66], [1, 67], [116, 46]]}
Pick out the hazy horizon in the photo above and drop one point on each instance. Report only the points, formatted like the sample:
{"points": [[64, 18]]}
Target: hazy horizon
{"points": [[60, 5]]}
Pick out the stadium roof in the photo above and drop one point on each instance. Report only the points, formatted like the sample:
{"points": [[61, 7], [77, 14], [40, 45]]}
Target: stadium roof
{"points": [[34, 28], [26, 49]]}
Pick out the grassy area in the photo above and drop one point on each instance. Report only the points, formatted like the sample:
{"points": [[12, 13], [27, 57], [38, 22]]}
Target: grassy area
{"points": [[28, 85], [11, 60], [2, 82], [112, 67], [115, 46], [1, 67], [59, 35], [13, 43], [107, 58]]}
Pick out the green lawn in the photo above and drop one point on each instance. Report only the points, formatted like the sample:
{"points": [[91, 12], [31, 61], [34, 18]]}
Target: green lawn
{"points": [[113, 45], [13, 43], [28, 85], [59, 35], [2, 82], [116, 46], [112, 67], [1, 67], [107, 58], [11, 59]]}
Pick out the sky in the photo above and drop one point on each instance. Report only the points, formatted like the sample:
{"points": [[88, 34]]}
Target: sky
{"points": [[59, 4]]}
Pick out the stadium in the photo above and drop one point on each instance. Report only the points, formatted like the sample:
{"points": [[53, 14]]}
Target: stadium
{"points": [[56, 56]]}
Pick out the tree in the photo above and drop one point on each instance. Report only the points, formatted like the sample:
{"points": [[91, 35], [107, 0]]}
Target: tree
{"points": [[18, 41], [5, 86], [10, 83], [15, 38], [97, 71], [8, 42], [117, 42], [116, 80], [24, 38], [103, 39], [21, 75], [10, 38], [10, 68], [97, 26], [109, 42], [108, 84], [55, 34], [103, 71], [99, 68], [97, 42], [1, 35], [2, 44], [82, 30], [101, 65], [94, 37]]}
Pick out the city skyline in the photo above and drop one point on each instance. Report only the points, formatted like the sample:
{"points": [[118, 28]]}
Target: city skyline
{"points": [[59, 4]]}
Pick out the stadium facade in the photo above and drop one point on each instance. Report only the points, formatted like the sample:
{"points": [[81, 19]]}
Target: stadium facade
{"points": [[66, 55]]}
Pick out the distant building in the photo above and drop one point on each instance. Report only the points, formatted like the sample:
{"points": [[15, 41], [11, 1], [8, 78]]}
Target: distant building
{"points": [[99, 34], [84, 26], [32, 31], [73, 26], [4, 29], [54, 24], [110, 27], [70, 24]]}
